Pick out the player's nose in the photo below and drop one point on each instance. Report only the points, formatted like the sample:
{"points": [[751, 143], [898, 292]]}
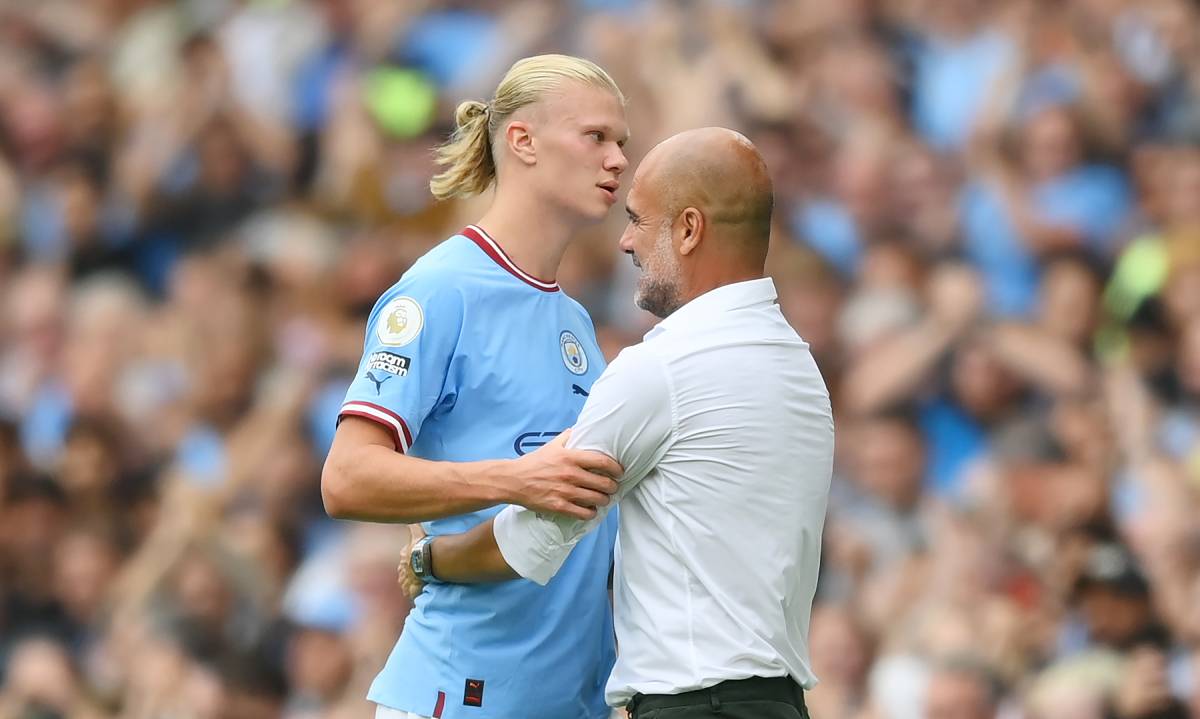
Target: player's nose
{"points": [[617, 162]]}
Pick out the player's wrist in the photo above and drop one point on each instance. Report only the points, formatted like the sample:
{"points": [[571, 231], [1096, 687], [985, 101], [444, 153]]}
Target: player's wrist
{"points": [[494, 480]]}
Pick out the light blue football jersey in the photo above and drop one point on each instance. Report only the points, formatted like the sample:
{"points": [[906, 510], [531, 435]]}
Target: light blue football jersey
{"points": [[468, 358]]}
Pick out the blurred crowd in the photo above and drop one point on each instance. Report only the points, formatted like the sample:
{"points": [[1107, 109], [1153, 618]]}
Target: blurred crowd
{"points": [[987, 228]]}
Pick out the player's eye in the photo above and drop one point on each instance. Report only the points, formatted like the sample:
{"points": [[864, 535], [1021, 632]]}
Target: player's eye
{"points": [[597, 134]]}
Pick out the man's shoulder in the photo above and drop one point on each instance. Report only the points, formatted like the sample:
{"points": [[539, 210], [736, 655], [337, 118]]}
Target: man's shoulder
{"points": [[639, 370], [637, 355]]}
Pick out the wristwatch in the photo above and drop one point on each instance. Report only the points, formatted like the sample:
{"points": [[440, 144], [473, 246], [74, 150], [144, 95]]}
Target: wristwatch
{"points": [[421, 559]]}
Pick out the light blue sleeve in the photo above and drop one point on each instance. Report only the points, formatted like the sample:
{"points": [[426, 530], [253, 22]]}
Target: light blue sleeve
{"points": [[413, 335]]}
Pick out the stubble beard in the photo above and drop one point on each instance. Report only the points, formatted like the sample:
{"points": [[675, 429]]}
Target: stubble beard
{"points": [[658, 294]]}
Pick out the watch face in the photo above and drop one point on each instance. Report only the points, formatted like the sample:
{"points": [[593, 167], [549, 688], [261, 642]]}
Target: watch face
{"points": [[418, 563]]}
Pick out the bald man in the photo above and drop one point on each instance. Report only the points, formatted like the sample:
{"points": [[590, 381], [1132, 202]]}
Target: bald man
{"points": [[723, 425]]}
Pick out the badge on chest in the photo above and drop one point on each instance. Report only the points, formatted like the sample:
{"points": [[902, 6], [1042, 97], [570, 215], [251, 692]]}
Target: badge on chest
{"points": [[573, 355]]}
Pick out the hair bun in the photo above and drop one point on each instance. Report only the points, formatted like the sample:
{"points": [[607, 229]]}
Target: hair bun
{"points": [[468, 111]]}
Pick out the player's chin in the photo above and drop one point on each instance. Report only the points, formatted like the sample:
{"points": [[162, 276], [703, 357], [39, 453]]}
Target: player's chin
{"points": [[595, 212]]}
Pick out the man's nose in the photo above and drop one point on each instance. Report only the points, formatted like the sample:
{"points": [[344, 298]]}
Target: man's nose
{"points": [[626, 241]]}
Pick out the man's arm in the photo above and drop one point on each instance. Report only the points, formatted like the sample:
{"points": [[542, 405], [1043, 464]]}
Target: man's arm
{"points": [[473, 556], [470, 557], [365, 478], [627, 419]]}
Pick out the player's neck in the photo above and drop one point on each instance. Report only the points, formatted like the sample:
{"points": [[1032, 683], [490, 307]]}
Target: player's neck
{"points": [[531, 237]]}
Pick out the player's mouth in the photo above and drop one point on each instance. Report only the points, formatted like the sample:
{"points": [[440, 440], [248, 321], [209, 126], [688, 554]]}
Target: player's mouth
{"points": [[610, 190]]}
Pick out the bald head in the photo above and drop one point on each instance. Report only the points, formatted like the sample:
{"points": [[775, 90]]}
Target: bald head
{"points": [[699, 217], [720, 173]]}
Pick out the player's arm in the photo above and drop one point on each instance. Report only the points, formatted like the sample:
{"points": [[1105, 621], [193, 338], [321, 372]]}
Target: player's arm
{"points": [[366, 478], [628, 416], [411, 357]]}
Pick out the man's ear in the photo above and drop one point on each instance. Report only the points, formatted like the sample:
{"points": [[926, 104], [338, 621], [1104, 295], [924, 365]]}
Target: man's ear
{"points": [[691, 222], [520, 142]]}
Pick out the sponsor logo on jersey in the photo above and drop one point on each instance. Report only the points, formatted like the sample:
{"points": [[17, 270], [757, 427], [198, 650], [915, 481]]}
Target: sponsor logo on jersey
{"points": [[389, 362], [378, 381], [530, 441]]}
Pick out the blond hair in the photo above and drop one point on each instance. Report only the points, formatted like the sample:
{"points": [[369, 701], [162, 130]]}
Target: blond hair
{"points": [[470, 166]]}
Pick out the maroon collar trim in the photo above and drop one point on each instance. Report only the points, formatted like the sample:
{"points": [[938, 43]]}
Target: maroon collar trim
{"points": [[492, 248]]}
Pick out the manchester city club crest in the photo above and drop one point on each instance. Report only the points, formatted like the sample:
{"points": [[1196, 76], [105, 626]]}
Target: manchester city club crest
{"points": [[572, 353]]}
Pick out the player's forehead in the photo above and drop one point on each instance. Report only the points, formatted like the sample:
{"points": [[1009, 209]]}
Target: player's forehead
{"points": [[583, 105]]}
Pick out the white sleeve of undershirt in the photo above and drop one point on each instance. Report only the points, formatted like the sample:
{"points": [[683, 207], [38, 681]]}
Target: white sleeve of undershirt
{"points": [[630, 417]]}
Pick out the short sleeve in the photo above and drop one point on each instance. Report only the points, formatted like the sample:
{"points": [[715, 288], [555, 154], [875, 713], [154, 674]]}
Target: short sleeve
{"points": [[628, 416], [412, 337]]}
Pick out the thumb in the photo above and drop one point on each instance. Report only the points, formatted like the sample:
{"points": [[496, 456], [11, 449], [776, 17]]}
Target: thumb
{"points": [[561, 439]]}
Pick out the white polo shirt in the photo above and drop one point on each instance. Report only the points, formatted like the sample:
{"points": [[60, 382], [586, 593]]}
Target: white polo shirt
{"points": [[723, 425]]}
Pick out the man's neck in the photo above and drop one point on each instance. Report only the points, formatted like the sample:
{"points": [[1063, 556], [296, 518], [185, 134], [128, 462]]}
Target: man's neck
{"points": [[534, 237], [727, 274]]}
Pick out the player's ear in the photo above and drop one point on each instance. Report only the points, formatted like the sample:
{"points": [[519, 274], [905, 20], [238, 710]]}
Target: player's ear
{"points": [[520, 141], [691, 222]]}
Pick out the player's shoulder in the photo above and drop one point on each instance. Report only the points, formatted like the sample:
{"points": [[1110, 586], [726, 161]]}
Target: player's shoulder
{"points": [[574, 307], [442, 263], [441, 273], [430, 285], [573, 303]]}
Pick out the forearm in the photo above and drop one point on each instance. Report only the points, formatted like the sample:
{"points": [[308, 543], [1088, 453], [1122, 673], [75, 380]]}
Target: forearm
{"points": [[895, 371], [373, 483], [470, 557], [1047, 362]]}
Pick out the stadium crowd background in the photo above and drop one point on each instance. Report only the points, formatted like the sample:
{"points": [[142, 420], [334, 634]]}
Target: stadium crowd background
{"points": [[988, 228]]}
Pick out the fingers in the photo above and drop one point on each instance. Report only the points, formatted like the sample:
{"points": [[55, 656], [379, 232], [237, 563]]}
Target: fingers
{"points": [[412, 589], [598, 462], [568, 509], [409, 584], [588, 498], [594, 482], [576, 503]]}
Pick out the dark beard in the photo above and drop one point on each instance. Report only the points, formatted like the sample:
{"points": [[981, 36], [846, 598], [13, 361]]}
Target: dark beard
{"points": [[658, 297]]}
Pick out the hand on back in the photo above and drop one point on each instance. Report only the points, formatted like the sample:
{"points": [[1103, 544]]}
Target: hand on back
{"points": [[409, 582]]}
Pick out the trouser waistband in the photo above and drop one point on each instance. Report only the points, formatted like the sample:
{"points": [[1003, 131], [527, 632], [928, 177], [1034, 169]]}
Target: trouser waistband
{"points": [[781, 689]]}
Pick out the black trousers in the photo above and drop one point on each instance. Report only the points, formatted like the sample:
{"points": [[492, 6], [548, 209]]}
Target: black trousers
{"points": [[754, 698]]}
